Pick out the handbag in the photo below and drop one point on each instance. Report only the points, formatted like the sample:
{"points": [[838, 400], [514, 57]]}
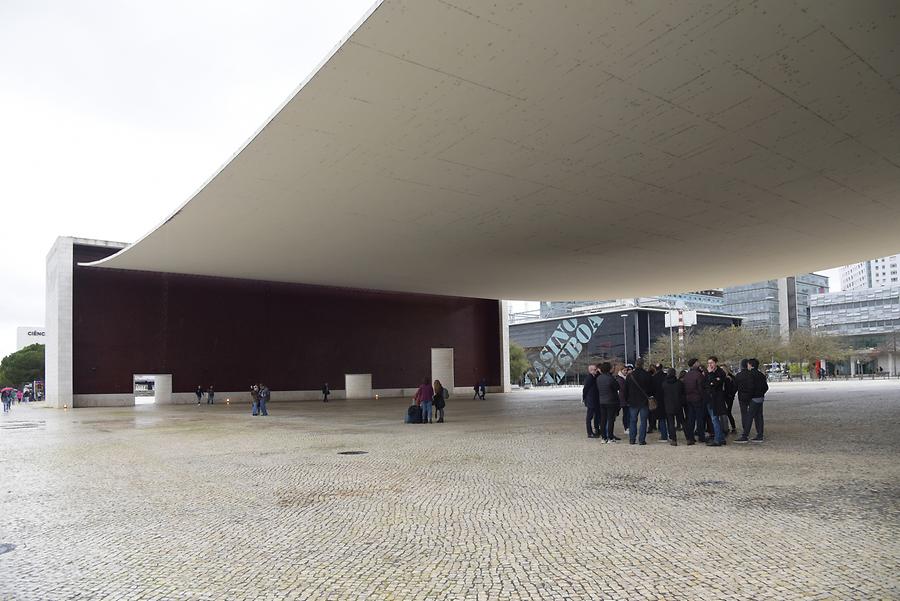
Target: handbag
{"points": [[651, 400]]}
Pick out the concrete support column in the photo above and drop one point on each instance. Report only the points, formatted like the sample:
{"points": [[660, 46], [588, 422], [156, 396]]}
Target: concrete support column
{"points": [[58, 320], [504, 346], [852, 367]]}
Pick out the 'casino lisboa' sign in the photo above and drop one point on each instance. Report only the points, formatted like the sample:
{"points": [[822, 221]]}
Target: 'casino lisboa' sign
{"points": [[555, 358]]}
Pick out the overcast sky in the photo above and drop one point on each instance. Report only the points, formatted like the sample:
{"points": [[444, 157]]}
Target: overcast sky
{"points": [[112, 114]]}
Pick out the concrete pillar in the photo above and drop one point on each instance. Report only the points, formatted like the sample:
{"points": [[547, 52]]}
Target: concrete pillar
{"points": [[442, 367], [504, 347], [852, 366], [58, 320]]}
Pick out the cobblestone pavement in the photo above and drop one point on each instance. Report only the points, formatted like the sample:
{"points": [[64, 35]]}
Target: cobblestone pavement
{"points": [[507, 500]]}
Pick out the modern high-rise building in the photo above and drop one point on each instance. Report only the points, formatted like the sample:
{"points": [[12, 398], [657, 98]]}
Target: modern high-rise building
{"points": [[780, 306], [701, 300], [874, 273], [868, 320]]}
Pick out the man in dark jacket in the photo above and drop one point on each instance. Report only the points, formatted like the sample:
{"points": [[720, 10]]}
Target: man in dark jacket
{"points": [[658, 417], [638, 389], [621, 376], [670, 396], [589, 398], [714, 398], [752, 389], [608, 398], [744, 383], [695, 425]]}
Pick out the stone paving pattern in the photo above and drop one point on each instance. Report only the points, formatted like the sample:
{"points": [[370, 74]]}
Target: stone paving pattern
{"points": [[507, 500]]}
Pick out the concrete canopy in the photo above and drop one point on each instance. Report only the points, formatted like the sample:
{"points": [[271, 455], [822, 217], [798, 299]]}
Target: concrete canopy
{"points": [[588, 149]]}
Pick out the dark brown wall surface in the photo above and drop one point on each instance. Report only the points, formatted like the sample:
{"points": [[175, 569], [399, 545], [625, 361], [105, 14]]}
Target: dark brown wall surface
{"points": [[230, 333]]}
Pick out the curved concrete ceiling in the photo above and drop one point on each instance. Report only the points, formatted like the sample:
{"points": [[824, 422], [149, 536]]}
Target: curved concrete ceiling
{"points": [[589, 149]]}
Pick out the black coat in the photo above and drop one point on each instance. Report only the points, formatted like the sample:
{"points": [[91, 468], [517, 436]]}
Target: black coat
{"points": [[672, 393], [589, 391], [745, 384], [638, 386], [714, 390], [693, 386], [607, 390]]}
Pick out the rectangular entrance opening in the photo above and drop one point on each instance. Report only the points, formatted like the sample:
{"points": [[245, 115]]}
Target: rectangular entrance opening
{"points": [[152, 388]]}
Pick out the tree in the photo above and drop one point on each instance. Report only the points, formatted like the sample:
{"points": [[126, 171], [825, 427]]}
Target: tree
{"points": [[22, 366], [806, 346], [730, 345], [518, 362]]}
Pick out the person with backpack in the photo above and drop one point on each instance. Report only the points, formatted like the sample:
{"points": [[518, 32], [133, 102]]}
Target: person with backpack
{"points": [[424, 398], [441, 395], [671, 401], [638, 392], [608, 400]]}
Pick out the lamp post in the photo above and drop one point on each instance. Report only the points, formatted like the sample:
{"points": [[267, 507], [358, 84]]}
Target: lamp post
{"points": [[624, 317]]}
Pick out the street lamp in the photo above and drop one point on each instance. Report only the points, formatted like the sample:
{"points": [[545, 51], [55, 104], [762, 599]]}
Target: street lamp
{"points": [[624, 317]]}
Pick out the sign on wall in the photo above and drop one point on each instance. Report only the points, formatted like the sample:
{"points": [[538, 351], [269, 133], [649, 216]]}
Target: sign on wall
{"points": [[563, 348], [28, 335]]}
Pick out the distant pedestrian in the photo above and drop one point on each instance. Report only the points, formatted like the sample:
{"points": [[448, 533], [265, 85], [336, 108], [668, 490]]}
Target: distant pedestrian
{"points": [[7, 399], [264, 395], [441, 395], [621, 376], [482, 389], [325, 392], [424, 398], [477, 390], [210, 395], [728, 395], [199, 393]]}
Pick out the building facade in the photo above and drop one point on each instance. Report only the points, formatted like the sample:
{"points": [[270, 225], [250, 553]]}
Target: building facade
{"points": [[701, 300], [874, 273], [560, 349], [780, 306], [107, 325], [868, 320]]}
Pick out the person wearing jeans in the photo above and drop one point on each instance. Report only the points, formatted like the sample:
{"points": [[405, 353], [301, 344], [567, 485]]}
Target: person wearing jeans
{"points": [[638, 389], [424, 396], [714, 398], [633, 414]]}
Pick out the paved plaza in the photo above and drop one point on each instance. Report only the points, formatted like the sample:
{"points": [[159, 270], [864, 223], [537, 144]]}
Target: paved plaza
{"points": [[507, 500]]}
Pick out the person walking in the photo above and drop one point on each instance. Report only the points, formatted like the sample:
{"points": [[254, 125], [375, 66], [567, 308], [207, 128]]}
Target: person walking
{"points": [[6, 398], [441, 395], [199, 394], [714, 398], [264, 395], [325, 392], [210, 396], [637, 392], [658, 416], [424, 397], [671, 401], [589, 398], [695, 424], [482, 389], [608, 400]]}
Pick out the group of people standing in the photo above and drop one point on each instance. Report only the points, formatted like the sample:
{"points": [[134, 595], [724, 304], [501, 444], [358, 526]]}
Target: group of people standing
{"points": [[259, 398], [428, 396], [697, 401]]}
